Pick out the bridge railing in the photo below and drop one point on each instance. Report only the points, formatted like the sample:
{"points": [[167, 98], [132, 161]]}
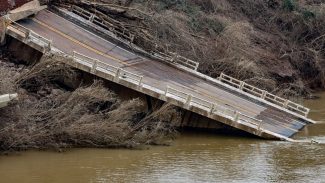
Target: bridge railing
{"points": [[213, 108], [135, 78], [179, 60], [294, 107], [183, 96], [29, 34], [20, 28], [186, 62], [81, 12], [96, 65], [175, 58], [84, 58], [47, 42], [91, 17], [169, 57]]}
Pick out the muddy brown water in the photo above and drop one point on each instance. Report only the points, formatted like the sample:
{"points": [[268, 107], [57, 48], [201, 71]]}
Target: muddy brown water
{"points": [[193, 157]]}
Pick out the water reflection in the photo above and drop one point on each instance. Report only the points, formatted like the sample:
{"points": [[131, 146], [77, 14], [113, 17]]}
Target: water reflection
{"points": [[192, 158]]}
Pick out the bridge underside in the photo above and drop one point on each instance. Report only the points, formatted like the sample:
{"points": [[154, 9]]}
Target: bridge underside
{"points": [[157, 79]]}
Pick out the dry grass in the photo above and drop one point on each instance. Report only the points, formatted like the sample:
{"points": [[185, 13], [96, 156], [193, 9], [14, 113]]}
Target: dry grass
{"points": [[51, 115]]}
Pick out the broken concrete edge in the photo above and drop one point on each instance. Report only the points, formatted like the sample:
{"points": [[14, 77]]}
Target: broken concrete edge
{"points": [[120, 42], [25, 10], [5, 99], [22, 12]]}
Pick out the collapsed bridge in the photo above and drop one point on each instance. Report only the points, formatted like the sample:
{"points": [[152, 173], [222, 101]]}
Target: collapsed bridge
{"points": [[92, 46]]}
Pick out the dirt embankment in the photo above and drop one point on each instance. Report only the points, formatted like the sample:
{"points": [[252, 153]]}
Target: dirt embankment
{"points": [[51, 114], [278, 45]]}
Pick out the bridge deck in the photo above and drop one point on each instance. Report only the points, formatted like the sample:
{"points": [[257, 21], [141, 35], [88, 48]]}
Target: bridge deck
{"points": [[69, 37]]}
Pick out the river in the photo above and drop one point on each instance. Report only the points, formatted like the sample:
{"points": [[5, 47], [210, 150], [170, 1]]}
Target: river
{"points": [[193, 157]]}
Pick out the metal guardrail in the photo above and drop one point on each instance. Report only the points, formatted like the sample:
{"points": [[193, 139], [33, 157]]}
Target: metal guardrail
{"points": [[285, 103]]}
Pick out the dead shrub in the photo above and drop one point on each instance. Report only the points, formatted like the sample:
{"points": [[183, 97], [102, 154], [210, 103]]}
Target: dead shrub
{"points": [[51, 115]]}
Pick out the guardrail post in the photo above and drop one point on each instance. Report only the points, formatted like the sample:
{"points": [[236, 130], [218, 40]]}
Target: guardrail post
{"points": [[196, 66], [285, 104], [27, 34], [117, 75], [220, 77], [241, 86], [94, 67], [173, 59], [236, 116], [140, 81], [188, 100], [259, 125], [49, 45], [91, 18], [166, 91], [263, 94], [212, 108]]}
